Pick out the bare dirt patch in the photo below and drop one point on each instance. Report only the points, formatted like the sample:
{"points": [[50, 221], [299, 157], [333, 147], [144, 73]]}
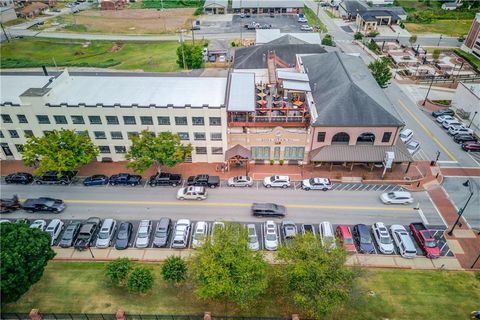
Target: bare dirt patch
{"points": [[136, 21], [117, 47]]}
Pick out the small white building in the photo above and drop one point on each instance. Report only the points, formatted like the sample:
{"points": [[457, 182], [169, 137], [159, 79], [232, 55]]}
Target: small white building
{"points": [[7, 14], [215, 6], [467, 100]]}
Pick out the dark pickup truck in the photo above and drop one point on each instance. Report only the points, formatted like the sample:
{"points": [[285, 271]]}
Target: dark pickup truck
{"points": [[52, 177], [9, 205], [204, 180], [165, 179], [125, 178], [87, 233], [425, 239]]}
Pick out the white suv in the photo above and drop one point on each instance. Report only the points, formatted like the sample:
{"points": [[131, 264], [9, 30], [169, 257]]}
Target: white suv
{"points": [[317, 184], [396, 197], [277, 181], [382, 237], [54, 229], [403, 241], [271, 236], [192, 193], [406, 135], [454, 130], [180, 236]]}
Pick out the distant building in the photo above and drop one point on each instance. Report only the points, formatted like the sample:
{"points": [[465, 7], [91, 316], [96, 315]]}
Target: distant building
{"points": [[112, 4], [7, 3], [472, 42], [449, 6], [263, 36], [267, 6], [7, 14], [349, 9], [369, 21], [215, 6], [32, 10]]}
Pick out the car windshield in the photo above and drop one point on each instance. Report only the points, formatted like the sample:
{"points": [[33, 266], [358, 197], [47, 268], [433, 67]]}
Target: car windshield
{"points": [[103, 235], [411, 146], [160, 233], [252, 239], [199, 236], [49, 203], [385, 240], [365, 239], [430, 244], [235, 179], [68, 234], [271, 237], [348, 241], [391, 195], [122, 235], [142, 234]]}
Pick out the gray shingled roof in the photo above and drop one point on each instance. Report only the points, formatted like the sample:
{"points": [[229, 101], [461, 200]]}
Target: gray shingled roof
{"points": [[287, 39], [354, 6], [346, 94], [236, 4], [371, 15]]}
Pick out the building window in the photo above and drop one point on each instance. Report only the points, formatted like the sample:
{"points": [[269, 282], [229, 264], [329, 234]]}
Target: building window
{"points": [[104, 149], [47, 132], [1, 134], [6, 149], [120, 149], [82, 132], [198, 121], [386, 136], [321, 137], [43, 119], [199, 136], [181, 121], [147, 121], [276, 153], [132, 134], [366, 138], [341, 138], [99, 134], [294, 153], [129, 120], [19, 147], [60, 119], [215, 121], [201, 150], [6, 118], [13, 134], [95, 119], [216, 136], [28, 133], [112, 119], [163, 121], [22, 118], [116, 135], [77, 120], [217, 150], [260, 153], [183, 135]]}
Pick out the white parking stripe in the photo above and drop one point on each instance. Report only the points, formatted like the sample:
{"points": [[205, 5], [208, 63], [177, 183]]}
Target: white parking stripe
{"points": [[422, 216]]}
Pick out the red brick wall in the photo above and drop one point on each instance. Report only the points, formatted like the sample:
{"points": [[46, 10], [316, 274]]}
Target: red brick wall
{"points": [[472, 34]]}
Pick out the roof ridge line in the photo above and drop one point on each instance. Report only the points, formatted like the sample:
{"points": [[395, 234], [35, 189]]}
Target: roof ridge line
{"points": [[343, 66]]}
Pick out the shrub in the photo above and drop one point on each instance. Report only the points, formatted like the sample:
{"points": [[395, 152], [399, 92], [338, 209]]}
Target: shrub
{"points": [[140, 280], [327, 40], [198, 11], [117, 271], [174, 270], [281, 162], [358, 36], [272, 162], [373, 34]]}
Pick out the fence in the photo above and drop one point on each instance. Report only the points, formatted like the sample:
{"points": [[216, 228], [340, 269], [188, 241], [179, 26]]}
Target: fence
{"points": [[104, 316]]}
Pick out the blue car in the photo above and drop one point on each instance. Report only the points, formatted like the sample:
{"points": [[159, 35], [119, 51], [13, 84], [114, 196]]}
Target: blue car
{"points": [[363, 239], [95, 180]]}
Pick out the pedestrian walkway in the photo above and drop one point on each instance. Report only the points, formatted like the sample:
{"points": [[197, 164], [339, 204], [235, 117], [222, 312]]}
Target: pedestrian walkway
{"points": [[460, 172]]}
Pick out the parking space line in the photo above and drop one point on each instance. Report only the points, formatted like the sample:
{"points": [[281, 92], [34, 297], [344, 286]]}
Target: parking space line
{"points": [[350, 187], [145, 184], [422, 216], [359, 186]]}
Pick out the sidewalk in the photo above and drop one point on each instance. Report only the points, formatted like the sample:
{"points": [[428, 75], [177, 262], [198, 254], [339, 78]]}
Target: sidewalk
{"points": [[461, 172]]}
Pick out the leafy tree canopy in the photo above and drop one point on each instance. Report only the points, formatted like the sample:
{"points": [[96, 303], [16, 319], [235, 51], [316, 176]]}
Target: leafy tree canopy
{"points": [[193, 56], [117, 271], [381, 72], [174, 270], [140, 280]]}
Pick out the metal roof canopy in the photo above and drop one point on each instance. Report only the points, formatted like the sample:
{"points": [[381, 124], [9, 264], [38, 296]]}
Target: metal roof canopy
{"points": [[292, 76], [296, 85], [238, 150], [241, 94], [359, 153]]}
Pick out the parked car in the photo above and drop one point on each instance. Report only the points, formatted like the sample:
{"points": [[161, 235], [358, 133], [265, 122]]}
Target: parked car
{"points": [[270, 235], [306, 27], [162, 232], [124, 236], [396, 197], [363, 239], [443, 112], [165, 179], [403, 241], [192, 193], [289, 230], [52, 177], [345, 238], [44, 204], [448, 123], [277, 181], [471, 146], [425, 239], [268, 210], [327, 236], [462, 138], [54, 228], [302, 20], [96, 180], [8, 205], [442, 118], [106, 234], [317, 184], [4, 221], [240, 181], [126, 179], [70, 235], [406, 135], [307, 227], [253, 243], [19, 177], [143, 234], [454, 130], [413, 147], [23, 220], [382, 237], [39, 224], [87, 234], [200, 233], [180, 237], [204, 180]]}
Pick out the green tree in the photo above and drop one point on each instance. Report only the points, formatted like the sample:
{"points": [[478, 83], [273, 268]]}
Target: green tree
{"points": [[140, 280], [436, 54], [381, 72], [117, 271], [225, 269], [413, 39], [163, 149], [24, 254], [358, 36], [174, 270], [60, 150], [196, 57], [327, 40], [317, 280], [193, 55]]}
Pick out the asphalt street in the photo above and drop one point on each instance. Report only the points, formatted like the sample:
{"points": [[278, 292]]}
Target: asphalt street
{"points": [[229, 204], [459, 195]]}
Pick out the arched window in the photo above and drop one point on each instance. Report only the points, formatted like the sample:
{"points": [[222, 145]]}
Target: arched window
{"points": [[341, 138], [367, 138]]}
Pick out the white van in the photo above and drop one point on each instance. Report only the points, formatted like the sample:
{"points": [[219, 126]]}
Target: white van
{"points": [[327, 236], [54, 229], [406, 135], [403, 241], [106, 233]]}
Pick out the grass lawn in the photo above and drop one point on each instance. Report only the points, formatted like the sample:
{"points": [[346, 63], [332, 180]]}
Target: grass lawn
{"points": [[398, 294], [313, 19], [167, 4], [14, 22], [473, 60], [454, 28], [147, 56]]}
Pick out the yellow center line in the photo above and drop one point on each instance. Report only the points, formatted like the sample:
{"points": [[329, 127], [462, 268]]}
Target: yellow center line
{"points": [[236, 204], [428, 132]]}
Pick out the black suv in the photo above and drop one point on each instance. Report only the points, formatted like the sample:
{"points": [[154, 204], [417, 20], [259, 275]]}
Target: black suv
{"points": [[165, 179], [268, 210], [87, 234], [52, 177], [125, 178], [19, 177], [443, 112], [43, 204], [462, 138]]}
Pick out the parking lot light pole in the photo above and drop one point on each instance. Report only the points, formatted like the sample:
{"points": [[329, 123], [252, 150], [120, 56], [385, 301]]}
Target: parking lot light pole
{"points": [[462, 210], [439, 39], [90, 249], [430, 87], [473, 118]]}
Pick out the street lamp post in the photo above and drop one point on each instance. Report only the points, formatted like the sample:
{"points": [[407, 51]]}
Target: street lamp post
{"points": [[430, 87], [473, 118], [439, 39], [462, 210], [183, 49]]}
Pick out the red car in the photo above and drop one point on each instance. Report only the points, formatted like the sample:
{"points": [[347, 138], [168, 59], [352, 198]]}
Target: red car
{"points": [[425, 239], [471, 147], [345, 238]]}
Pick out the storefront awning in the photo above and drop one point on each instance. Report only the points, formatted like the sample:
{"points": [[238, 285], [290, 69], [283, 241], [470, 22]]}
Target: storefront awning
{"points": [[296, 85], [359, 153], [238, 151]]}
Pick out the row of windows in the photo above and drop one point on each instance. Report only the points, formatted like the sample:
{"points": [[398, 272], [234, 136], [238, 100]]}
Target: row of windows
{"points": [[289, 153], [128, 120], [344, 138]]}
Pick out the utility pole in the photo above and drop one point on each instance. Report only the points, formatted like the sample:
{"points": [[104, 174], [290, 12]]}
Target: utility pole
{"points": [[430, 87], [318, 7], [4, 32], [183, 50]]}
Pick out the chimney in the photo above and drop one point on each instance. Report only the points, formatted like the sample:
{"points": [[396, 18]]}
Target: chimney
{"points": [[45, 72]]}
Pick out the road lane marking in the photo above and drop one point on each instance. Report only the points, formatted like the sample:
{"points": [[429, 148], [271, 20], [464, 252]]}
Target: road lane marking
{"points": [[428, 132], [422, 216]]}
